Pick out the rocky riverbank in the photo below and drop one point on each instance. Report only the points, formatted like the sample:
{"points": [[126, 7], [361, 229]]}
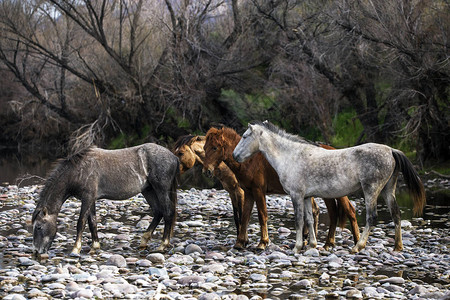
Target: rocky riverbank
{"points": [[202, 263]]}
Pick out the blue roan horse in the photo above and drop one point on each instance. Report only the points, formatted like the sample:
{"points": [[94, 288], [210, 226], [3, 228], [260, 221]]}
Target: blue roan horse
{"points": [[306, 170], [96, 173]]}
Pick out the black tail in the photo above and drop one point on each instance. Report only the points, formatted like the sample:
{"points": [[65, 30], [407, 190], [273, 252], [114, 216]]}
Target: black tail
{"points": [[341, 216], [412, 180], [174, 196]]}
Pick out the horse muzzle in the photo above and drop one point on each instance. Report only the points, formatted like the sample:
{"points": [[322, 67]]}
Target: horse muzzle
{"points": [[208, 172], [237, 158]]}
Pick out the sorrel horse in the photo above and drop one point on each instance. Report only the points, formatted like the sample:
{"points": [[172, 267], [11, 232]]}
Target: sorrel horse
{"points": [[306, 170], [189, 150], [257, 177], [96, 173]]}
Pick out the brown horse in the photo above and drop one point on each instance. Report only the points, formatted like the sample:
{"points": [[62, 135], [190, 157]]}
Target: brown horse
{"points": [[189, 150], [257, 177]]}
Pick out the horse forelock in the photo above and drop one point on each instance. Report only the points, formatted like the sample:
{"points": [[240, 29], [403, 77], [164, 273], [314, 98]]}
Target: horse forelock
{"points": [[281, 132]]}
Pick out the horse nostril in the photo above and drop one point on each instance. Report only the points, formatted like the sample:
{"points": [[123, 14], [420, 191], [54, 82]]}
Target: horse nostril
{"points": [[209, 173]]}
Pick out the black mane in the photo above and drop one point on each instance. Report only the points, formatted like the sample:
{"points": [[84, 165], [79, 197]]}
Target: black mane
{"points": [[183, 140], [275, 129]]}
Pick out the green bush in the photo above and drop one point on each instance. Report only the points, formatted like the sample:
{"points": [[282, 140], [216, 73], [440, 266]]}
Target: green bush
{"points": [[347, 128]]}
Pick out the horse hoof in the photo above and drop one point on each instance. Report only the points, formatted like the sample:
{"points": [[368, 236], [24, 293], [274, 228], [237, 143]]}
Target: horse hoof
{"points": [[93, 251], [297, 250], [328, 246], [262, 245], [239, 246], [354, 250]]}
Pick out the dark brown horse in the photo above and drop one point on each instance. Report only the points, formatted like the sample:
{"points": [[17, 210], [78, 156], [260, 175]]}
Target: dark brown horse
{"points": [[149, 169], [258, 178]]}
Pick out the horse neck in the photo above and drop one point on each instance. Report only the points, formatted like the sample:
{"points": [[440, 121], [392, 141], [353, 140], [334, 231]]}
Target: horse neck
{"points": [[276, 148], [232, 139], [54, 194]]}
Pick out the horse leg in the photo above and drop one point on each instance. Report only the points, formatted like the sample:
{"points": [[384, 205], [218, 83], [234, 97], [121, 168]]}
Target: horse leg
{"points": [[388, 194], [315, 213], [298, 203], [350, 212], [92, 222], [262, 217], [169, 214], [242, 238], [309, 217], [237, 199], [151, 198], [370, 196], [86, 206], [333, 216]]}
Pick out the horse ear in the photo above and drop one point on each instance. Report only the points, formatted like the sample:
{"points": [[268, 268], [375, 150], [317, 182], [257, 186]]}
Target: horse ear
{"points": [[44, 212]]}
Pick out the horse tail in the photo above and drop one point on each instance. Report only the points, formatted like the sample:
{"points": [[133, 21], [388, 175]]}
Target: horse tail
{"points": [[412, 180], [174, 196], [341, 216]]}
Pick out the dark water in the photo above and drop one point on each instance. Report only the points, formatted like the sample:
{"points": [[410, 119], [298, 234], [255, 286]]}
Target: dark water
{"points": [[22, 170]]}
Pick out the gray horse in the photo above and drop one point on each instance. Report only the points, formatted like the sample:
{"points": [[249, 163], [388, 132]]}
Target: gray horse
{"points": [[306, 170], [96, 173]]}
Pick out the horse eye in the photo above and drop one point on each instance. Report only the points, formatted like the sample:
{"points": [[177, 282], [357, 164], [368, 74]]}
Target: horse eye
{"points": [[214, 148]]}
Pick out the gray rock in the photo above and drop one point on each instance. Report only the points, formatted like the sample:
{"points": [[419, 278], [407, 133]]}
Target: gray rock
{"points": [[213, 268], [156, 258], [354, 294], [256, 277], [188, 280], [144, 263], [85, 293], [209, 296], [418, 290], [117, 260], [192, 248], [393, 280], [157, 271], [371, 292], [313, 252]]}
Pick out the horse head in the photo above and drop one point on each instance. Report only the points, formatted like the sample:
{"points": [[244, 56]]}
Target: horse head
{"points": [[249, 144], [44, 229], [189, 152], [214, 150], [186, 157]]}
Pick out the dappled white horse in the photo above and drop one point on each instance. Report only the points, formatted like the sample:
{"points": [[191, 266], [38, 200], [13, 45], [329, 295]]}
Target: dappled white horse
{"points": [[306, 170]]}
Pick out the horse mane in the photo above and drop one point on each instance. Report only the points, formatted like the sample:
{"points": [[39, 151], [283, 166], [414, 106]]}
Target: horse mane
{"points": [[182, 140], [58, 168], [281, 132]]}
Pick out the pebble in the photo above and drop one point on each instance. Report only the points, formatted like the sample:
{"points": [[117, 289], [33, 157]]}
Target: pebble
{"points": [[202, 264]]}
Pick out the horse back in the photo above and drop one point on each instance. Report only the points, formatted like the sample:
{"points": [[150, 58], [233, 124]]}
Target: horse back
{"points": [[122, 173]]}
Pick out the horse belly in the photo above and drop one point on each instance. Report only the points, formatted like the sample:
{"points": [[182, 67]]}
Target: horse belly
{"points": [[331, 191], [120, 188], [325, 184]]}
